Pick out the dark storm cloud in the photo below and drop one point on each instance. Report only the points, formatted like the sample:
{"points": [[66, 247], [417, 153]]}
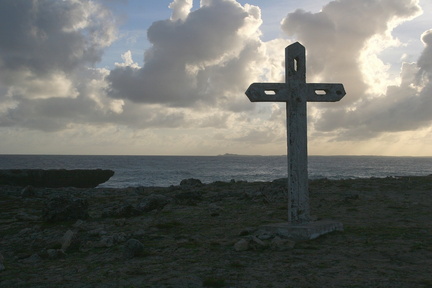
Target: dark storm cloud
{"points": [[47, 48], [43, 36]]}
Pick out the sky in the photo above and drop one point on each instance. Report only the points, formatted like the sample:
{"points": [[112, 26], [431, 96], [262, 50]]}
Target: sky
{"points": [[156, 77]]}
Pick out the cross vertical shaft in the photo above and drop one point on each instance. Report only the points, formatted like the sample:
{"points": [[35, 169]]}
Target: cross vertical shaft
{"points": [[298, 192]]}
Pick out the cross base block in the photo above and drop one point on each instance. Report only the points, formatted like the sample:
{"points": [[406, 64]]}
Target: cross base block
{"points": [[303, 231]]}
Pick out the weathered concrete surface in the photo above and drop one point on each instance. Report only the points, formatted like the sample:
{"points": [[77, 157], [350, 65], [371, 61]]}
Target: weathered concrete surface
{"points": [[54, 178], [303, 231]]}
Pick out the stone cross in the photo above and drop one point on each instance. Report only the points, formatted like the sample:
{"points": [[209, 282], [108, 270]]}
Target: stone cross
{"points": [[296, 93]]}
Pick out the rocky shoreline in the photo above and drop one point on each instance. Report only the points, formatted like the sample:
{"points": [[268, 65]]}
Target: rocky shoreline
{"points": [[206, 235]]}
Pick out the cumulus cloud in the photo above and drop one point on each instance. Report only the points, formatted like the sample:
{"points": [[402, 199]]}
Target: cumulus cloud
{"points": [[197, 58], [59, 88], [199, 64], [344, 49], [337, 36], [425, 60], [404, 107], [47, 53], [181, 9]]}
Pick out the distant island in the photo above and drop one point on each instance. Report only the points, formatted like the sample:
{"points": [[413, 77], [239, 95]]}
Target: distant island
{"points": [[237, 155]]}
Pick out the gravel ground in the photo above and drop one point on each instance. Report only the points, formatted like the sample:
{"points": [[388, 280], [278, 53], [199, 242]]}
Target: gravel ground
{"points": [[194, 235]]}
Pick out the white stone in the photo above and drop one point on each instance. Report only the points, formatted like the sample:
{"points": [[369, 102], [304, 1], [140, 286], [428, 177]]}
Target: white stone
{"points": [[67, 240], [241, 245]]}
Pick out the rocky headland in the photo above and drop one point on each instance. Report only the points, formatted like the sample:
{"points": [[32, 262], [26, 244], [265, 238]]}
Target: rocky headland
{"points": [[55, 178], [207, 235]]}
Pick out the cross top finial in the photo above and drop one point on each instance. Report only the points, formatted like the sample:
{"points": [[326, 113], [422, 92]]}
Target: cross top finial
{"points": [[295, 78], [295, 62]]}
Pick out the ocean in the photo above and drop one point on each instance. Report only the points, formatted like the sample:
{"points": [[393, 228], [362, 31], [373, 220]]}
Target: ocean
{"points": [[164, 171]]}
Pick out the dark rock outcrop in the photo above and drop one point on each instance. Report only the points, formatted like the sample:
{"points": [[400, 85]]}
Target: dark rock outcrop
{"points": [[63, 208], [153, 202], [55, 178], [191, 182]]}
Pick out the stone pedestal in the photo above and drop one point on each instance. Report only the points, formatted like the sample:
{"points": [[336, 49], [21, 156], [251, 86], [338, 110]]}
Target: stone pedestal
{"points": [[303, 231]]}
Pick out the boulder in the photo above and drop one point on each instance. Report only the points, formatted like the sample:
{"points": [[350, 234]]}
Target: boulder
{"points": [[106, 241], [70, 241], [55, 178], [28, 191], [133, 248], [33, 259], [241, 245]]}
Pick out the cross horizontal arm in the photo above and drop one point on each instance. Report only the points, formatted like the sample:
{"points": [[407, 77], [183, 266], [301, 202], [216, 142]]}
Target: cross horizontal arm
{"points": [[324, 92], [279, 92], [267, 92]]}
